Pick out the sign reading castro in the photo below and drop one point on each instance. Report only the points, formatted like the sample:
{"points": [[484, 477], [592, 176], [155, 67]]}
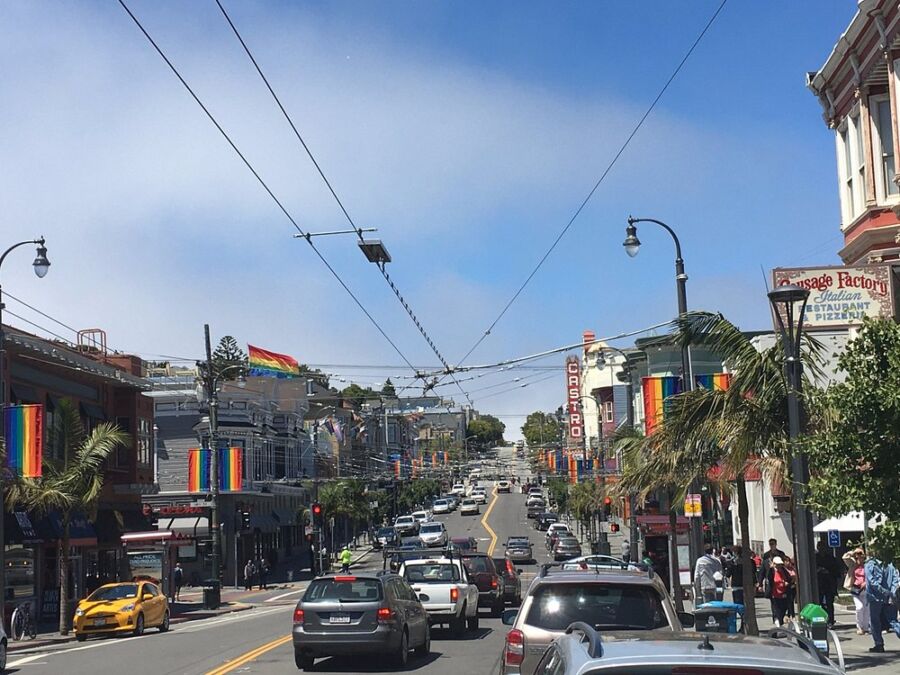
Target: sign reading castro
{"points": [[841, 296]]}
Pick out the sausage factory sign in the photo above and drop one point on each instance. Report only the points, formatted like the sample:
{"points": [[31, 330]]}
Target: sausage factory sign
{"points": [[841, 296]]}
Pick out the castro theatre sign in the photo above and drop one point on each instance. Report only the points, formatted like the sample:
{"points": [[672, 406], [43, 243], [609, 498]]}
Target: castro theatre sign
{"points": [[841, 296], [573, 394]]}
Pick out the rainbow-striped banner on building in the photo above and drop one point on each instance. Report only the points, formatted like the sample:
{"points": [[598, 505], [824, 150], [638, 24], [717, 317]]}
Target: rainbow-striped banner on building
{"points": [[24, 426], [714, 381], [199, 460], [231, 469], [656, 390]]}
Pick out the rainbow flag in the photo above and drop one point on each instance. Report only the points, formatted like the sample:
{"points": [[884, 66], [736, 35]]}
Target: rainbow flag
{"points": [[397, 468], [24, 426], [271, 364], [231, 469], [656, 390], [714, 382], [198, 470]]}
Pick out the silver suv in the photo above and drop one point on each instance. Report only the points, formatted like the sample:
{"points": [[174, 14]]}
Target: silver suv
{"points": [[631, 599], [582, 651]]}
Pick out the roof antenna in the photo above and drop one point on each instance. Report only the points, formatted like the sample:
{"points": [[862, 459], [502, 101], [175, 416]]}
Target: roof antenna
{"points": [[705, 644]]}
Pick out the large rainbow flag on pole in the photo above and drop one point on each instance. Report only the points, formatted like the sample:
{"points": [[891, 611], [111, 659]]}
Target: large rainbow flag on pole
{"points": [[198, 470], [231, 469], [24, 426], [271, 364], [656, 390]]}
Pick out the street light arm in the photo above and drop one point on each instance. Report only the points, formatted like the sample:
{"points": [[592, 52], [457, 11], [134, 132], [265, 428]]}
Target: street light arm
{"points": [[39, 242], [632, 221]]}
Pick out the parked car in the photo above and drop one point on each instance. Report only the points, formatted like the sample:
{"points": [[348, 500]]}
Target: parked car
{"points": [[406, 525], [536, 508], [543, 520], [422, 517], [469, 507], [566, 547], [464, 544], [583, 649], [535, 492], [534, 499], [446, 592], [440, 506], [385, 536], [128, 607], [519, 549], [504, 486], [490, 585], [512, 585], [433, 534], [609, 600], [376, 614]]}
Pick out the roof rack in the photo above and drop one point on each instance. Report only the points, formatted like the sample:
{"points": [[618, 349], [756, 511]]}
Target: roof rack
{"points": [[589, 634], [597, 567]]}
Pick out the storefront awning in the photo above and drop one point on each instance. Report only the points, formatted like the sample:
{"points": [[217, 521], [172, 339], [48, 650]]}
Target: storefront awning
{"points": [[81, 532], [18, 529], [263, 522], [191, 526], [285, 517]]}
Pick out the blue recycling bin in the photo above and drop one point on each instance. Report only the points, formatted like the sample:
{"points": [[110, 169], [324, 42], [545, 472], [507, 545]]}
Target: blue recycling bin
{"points": [[718, 616]]}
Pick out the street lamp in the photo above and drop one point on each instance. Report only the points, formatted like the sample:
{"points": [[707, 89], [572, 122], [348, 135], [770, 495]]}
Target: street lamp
{"points": [[632, 245], [41, 267], [784, 301]]}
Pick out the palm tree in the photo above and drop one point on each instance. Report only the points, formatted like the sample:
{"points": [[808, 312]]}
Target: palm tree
{"points": [[742, 427], [70, 484]]}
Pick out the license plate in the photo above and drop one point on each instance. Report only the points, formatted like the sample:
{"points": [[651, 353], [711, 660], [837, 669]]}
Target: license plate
{"points": [[339, 618], [99, 622]]}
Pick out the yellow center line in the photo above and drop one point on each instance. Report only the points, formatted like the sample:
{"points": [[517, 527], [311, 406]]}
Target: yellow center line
{"points": [[249, 656], [484, 521]]}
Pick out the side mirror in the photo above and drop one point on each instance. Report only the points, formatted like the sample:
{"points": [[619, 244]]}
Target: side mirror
{"points": [[518, 571], [686, 619], [509, 616]]}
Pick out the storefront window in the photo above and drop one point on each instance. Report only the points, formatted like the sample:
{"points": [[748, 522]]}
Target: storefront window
{"points": [[19, 572]]}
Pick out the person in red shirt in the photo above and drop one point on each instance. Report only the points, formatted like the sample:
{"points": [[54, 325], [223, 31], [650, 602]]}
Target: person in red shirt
{"points": [[779, 589]]}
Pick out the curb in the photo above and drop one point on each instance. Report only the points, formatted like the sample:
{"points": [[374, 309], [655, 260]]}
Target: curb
{"points": [[208, 614], [22, 645]]}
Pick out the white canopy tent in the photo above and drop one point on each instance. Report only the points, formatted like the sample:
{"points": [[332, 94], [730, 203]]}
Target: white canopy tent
{"points": [[852, 522]]}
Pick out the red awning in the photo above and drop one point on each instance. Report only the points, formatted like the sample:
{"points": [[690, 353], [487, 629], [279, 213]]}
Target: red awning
{"points": [[660, 524]]}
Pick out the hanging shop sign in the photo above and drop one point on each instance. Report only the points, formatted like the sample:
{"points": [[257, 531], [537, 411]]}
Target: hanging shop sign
{"points": [[573, 393], [841, 296]]}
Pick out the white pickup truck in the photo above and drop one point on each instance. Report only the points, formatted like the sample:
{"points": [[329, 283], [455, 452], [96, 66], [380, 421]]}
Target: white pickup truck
{"points": [[445, 591]]}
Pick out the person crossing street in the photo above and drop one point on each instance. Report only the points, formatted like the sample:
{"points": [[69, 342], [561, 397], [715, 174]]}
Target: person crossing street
{"points": [[345, 559]]}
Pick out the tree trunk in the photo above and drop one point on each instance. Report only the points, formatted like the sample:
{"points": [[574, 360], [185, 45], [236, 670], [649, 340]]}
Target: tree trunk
{"points": [[674, 578], [747, 576], [63, 559]]}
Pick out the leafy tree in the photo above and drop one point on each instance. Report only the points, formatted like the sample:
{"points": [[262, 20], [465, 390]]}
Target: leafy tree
{"points": [[314, 374], [487, 430], [388, 389], [414, 493], [558, 492], [541, 428], [69, 485], [357, 394], [855, 449]]}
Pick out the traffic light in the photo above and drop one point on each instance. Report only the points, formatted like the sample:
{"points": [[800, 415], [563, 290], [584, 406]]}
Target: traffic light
{"points": [[316, 513], [607, 507], [245, 520], [614, 527]]}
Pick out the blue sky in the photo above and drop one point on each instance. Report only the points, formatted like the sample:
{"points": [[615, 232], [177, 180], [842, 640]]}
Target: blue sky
{"points": [[467, 133]]}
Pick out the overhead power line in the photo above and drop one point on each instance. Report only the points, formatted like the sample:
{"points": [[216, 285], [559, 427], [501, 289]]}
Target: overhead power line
{"points": [[381, 267], [262, 182], [590, 194]]}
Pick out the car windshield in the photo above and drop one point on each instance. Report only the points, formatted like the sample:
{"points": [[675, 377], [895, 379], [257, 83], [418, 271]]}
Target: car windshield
{"points": [[420, 514], [555, 606], [431, 528], [120, 592], [478, 564], [441, 502], [386, 532], [468, 502], [343, 589], [431, 572], [568, 541], [518, 541], [404, 519]]}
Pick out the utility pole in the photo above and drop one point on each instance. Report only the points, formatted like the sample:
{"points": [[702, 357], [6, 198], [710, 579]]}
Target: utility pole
{"points": [[213, 395]]}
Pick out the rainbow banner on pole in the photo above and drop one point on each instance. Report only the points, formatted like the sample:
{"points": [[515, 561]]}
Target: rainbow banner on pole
{"points": [[714, 382], [24, 426], [656, 390], [198, 470], [271, 364], [231, 469]]}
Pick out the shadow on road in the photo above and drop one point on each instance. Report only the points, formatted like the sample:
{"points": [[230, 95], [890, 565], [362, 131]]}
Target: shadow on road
{"points": [[341, 664], [446, 634]]}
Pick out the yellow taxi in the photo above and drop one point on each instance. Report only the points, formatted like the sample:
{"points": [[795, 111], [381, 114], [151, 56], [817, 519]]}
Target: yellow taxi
{"points": [[127, 607]]}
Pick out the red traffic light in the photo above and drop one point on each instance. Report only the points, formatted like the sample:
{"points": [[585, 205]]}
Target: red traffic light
{"points": [[317, 510], [613, 527], [607, 501]]}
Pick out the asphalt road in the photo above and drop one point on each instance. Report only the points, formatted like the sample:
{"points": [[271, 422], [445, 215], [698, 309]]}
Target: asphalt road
{"points": [[256, 640]]}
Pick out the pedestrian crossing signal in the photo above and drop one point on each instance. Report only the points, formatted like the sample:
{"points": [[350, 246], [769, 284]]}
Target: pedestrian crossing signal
{"points": [[613, 527]]}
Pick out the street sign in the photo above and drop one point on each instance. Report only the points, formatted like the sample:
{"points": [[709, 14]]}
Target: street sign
{"points": [[693, 507], [834, 538]]}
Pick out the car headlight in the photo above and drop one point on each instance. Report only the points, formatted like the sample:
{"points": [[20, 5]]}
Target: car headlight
{"points": [[79, 612], [128, 608]]}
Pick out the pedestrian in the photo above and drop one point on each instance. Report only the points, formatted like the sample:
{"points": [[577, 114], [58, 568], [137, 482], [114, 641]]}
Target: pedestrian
{"points": [[778, 585], [345, 559], [178, 580], [705, 581], [792, 589], [263, 571], [736, 578], [855, 582], [828, 571], [249, 574], [626, 551], [766, 560], [882, 583]]}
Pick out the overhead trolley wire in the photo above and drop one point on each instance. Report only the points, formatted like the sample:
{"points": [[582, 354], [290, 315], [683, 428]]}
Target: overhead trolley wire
{"points": [[381, 267], [263, 182], [590, 194]]}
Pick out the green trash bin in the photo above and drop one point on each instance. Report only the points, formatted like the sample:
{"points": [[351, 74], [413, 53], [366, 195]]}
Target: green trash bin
{"points": [[814, 625]]}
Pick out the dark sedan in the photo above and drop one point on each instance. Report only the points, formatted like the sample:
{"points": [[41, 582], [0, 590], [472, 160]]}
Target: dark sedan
{"points": [[512, 584], [544, 520], [566, 547], [484, 573]]}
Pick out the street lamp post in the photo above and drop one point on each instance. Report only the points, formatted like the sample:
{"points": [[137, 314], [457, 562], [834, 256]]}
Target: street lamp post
{"points": [[41, 267], [784, 300], [632, 245]]}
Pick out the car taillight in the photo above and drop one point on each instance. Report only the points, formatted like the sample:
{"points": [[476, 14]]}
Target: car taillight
{"points": [[385, 615], [493, 582], [515, 648], [454, 594], [298, 615]]}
